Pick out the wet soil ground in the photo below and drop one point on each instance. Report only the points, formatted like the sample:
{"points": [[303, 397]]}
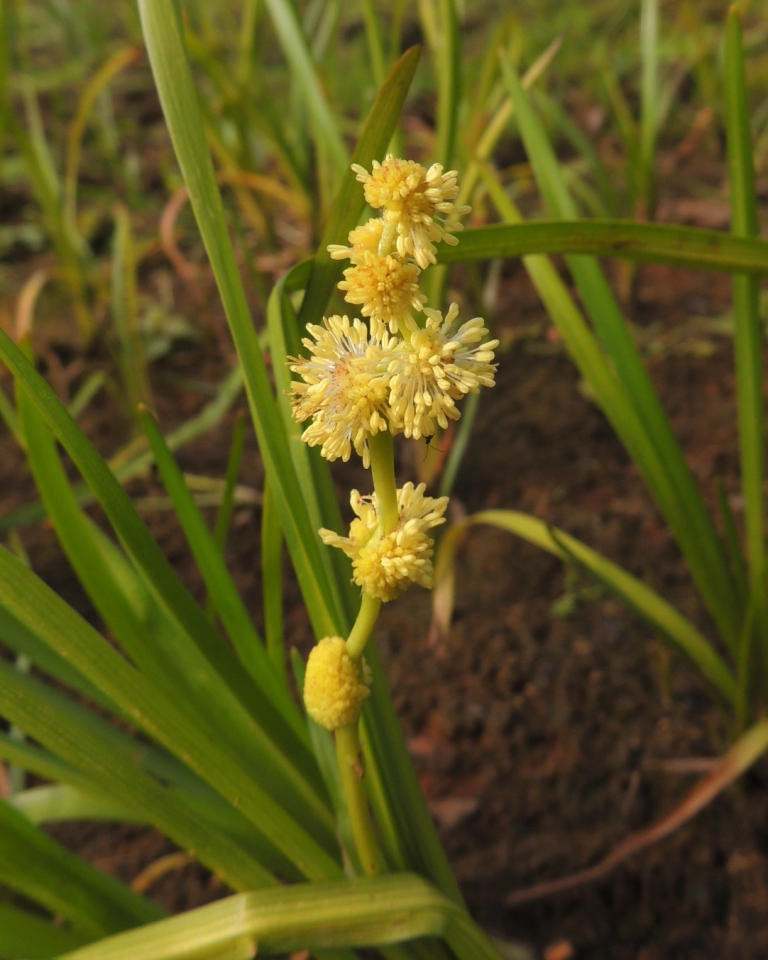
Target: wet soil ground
{"points": [[543, 725]]}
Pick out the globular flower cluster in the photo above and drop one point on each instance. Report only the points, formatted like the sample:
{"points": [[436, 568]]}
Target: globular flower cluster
{"points": [[335, 688], [385, 564], [403, 369]]}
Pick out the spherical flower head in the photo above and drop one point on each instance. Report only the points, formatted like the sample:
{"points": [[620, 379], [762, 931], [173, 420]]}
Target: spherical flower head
{"points": [[335, 687], [362, 240], [344, 387], [385, 565], [386, 287], [435, 368], [418, 201]]}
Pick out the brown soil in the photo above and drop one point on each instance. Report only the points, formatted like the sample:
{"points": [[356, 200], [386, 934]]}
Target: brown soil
{"points": [[537, 726]]}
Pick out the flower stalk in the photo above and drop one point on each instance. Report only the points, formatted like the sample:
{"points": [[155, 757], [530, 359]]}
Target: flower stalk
{"points": [[365, 381]]}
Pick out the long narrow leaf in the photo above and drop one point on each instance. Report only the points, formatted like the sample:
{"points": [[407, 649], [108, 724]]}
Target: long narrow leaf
{"points": [[277, 752], [63, 728], [221, 588], [682, 504], [36, 866], [43, 612], [28, 935], [165, 45], [748, 340], [645, 242], [376, 134], [653, 608], [377, 911]]}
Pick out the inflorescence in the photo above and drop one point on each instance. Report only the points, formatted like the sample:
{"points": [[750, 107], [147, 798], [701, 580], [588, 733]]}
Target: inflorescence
{"points": [[401, 370]]}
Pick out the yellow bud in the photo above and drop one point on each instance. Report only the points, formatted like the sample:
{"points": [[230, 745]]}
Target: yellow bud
{"points": [[334, 686]]}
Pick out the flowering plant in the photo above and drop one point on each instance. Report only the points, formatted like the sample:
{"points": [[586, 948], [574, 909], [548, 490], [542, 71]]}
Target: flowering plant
{"points": [[363, 385]]}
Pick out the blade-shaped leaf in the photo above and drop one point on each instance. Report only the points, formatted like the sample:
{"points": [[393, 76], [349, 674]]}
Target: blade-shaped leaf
{"points": [[680, 500], [653, 608], [376, 134], [646, 242], [226, 769], [317, 916], [36, 866]]}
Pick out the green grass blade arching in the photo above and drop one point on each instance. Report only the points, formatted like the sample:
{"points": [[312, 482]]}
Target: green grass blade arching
{"points": [[296, 49], [226, 599], [107, 759], [227, 770], [272, 582], [234, 463], [379, 127], [57, 802], [748, 340], [649, 103], [34, 865], [28, 935], [275, 749], [376, 911], [624, 239], [312, 471], [653, 608], [170, 66], [130, 461], [679, 499], [447, 63]]}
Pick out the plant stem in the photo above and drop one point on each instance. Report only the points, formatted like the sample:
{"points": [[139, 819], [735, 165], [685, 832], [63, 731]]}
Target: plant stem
{"points": [[366, 620], [350, 762], [383, 472]]}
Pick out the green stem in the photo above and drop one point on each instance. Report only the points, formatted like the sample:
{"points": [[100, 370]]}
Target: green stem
{"points": [[366, 620], [383, 472], [350, 760]]}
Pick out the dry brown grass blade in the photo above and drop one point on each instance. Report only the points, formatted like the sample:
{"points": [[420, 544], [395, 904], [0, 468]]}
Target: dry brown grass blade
{"points": [[736, 761]]}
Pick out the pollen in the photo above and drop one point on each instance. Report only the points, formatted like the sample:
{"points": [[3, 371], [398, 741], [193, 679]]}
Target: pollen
{"points": [[335, 688], [434, 368], [417, 201], [386, 288], [344, 387], [385, 565]]}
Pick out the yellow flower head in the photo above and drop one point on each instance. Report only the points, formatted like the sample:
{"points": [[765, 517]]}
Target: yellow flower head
{"points": [[386, 287], [362, 240], [385, 565], [417, 201], [435, 368], [344, 387], [335, 688]]}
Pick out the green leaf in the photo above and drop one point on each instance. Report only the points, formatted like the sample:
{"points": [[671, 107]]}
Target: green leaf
{"points": [[296, 49], [178, 97], [645, 242], [56, 802], [228, 770], [34, 865], [110, 763], [272, 581], [28, 935], [370, 912], [221, 588], [165, 651], [348, 206], [748, 339], [653, 608], [676, 493]]}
